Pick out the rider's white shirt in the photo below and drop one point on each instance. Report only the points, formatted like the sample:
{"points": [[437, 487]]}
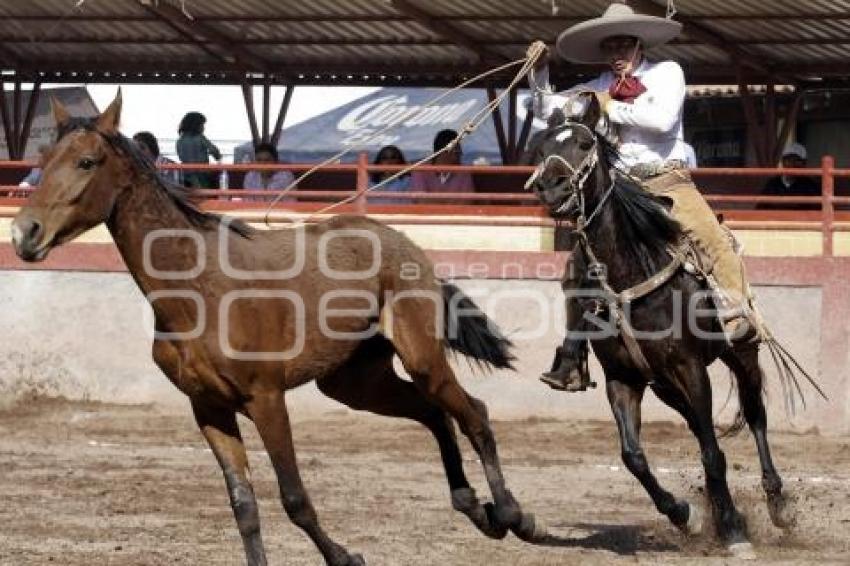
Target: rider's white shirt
{"points": [[650, 129]]}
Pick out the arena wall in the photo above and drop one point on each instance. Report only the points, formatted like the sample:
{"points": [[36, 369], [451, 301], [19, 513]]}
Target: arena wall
{"points": [[87, 335]]}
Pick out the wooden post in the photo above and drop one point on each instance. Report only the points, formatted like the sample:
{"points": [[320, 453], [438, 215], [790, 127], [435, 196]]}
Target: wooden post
{"points": [[512, 121], [266, 96], [16, 120], [770, 122], [248, 95], [754, 133], [499, 125], [8, 130], [35, 93], [828, 210], [281, 114], [524, 133], [362, 182], [790, 122]]}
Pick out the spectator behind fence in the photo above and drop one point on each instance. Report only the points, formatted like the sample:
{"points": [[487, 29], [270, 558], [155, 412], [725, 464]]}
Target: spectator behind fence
{"points": [[266, 180], [390, 155], [148, 145], [443, 181], [33, 178], [194, 147], [794, 157]]}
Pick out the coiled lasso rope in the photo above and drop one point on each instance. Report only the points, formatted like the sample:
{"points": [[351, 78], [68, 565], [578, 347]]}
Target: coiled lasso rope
{"points": [[535, 51]]}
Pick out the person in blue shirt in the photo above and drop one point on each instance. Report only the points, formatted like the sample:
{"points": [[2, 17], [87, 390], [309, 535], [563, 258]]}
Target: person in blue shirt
{"points": [[194, 147]]}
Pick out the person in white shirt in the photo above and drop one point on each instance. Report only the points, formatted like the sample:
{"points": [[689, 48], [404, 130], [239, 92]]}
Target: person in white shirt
{"points": [[266, 180], [643, 101]]}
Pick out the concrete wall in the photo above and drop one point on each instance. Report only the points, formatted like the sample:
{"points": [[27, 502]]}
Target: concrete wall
{"points": [[83, 336]]}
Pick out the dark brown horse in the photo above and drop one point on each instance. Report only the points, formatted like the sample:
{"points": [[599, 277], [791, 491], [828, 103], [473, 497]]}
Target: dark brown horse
{"points": [[244, 315], [630, 233]]}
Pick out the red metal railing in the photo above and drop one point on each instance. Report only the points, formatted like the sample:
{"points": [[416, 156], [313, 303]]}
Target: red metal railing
{"points": [[520, 203]]}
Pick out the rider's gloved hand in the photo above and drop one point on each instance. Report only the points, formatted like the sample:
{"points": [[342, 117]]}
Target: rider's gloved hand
{"points": [[543, 60]]}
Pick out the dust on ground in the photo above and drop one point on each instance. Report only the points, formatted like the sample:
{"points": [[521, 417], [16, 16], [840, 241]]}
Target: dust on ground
{"points": [[89, 483]]}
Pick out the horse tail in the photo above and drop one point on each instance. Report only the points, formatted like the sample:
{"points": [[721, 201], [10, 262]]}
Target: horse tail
{"points": [[470, 332]]}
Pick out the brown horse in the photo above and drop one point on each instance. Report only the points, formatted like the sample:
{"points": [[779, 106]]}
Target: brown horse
{"points": [[243, 315]]}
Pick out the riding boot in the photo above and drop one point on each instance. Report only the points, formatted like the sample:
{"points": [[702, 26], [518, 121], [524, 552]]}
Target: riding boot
{"points": [[569, 368]]}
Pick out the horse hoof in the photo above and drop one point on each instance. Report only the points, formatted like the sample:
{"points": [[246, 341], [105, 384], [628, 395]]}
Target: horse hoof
{"points": [[530, 529], [483, 517], [742, 551], [782, 512], [356, 560], [495, 529], [693, 526]]}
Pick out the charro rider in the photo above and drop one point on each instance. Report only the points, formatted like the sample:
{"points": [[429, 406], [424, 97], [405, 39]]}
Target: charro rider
{"points": [[643, 100]]}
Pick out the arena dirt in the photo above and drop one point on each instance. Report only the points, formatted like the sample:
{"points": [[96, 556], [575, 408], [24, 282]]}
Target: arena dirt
{"points": [[96, 484]]}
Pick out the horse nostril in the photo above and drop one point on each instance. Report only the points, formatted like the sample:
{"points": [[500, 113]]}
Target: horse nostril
{"points": [[33, 231]]}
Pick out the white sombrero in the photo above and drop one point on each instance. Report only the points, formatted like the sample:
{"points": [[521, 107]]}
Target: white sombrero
{"points": [[580, 43]]}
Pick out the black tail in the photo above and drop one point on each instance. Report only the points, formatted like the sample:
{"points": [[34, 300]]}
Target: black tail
{"points": [[470, 332]]}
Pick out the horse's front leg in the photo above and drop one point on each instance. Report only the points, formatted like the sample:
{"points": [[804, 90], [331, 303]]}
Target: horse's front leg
{"points": [[221, 430], [625, 400], [268, 411]]}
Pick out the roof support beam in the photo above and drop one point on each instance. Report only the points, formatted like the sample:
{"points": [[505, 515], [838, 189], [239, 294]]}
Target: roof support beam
{"points": [[447, 30], [32, 104], [524, 133], [281, 114], [201, 32], [500, 127], [8, 129], [248, 95], [790, 122], [267, 89], [704, 35]]}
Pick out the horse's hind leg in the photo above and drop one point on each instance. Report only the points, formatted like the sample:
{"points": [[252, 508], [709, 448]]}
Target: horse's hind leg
{"points": [[268, 411], [220, 429], [744, 364], [368, 382], [625, 400], [424, 358], [694, 404]]}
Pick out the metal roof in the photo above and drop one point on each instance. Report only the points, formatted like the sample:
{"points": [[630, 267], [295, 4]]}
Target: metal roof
{"points": [[386, 42]]}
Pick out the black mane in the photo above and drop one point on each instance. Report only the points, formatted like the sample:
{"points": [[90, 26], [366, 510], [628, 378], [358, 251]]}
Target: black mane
{"points": [[645, 226], [182, 197]]}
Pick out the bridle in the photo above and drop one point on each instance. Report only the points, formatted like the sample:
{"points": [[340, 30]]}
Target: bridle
{"points": [[578, 176]]}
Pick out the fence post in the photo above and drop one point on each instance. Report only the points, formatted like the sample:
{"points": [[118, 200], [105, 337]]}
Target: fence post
{"points": [[828, 208], [362, 182]]}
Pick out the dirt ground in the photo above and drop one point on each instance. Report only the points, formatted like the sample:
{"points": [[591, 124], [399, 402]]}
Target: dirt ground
{"points": [[86, 483]]}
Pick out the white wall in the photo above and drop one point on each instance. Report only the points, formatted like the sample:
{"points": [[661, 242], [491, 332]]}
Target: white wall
{"points": [[82, 335]]}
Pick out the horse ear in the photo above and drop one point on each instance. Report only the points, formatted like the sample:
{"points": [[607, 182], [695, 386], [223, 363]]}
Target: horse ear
{"points": [[111, 117], [593, 111], [60, 114]]}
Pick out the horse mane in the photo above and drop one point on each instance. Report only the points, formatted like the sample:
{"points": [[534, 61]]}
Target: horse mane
{"points": [[183, 197], [646, 228]]}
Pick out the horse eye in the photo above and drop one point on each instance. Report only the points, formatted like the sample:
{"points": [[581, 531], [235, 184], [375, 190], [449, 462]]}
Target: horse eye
{"points": [[86, 163], [585, 145]]}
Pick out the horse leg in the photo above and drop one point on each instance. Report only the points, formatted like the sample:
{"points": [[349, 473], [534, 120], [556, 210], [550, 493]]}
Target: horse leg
{"points": [[625, 400], [221, 431], [744, 364], [268, 411], [695, 405], [424, 358], [368, 382]]}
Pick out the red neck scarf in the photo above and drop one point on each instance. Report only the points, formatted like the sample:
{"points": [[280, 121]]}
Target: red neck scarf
{"points": [[626, 89]]}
